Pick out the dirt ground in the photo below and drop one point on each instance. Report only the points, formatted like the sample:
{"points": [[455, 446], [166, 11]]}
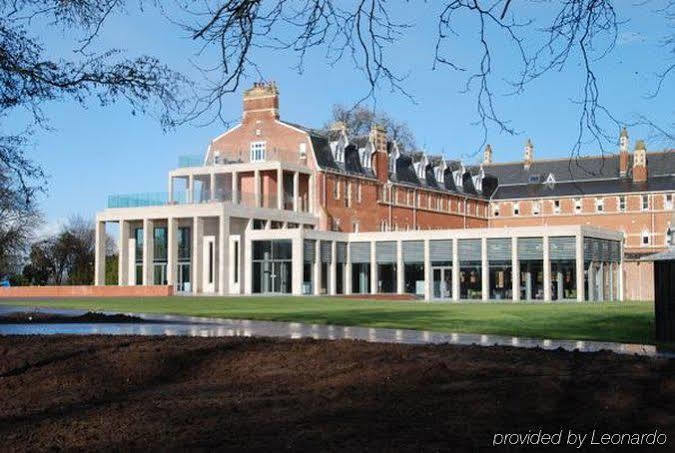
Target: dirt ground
{"points": [[176, 393]]}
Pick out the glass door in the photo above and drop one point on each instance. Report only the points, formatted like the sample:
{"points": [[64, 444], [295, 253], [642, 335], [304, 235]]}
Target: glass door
{"points": [[442, 282]]}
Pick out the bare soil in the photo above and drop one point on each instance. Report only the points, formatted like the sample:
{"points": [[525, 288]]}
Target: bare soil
{"points": [[177, 393], [38, 317]]}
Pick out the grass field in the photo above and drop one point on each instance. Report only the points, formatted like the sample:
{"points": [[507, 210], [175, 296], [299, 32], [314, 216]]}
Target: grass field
{"points": [[624, 322]]}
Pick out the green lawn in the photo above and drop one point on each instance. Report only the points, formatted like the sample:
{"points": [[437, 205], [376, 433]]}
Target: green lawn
{"points": [[625, 322]]}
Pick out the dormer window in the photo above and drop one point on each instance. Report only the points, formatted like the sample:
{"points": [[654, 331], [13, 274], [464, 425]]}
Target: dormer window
{"points": [[550, 181], [258, 151], [534, 179], [302, 150]]}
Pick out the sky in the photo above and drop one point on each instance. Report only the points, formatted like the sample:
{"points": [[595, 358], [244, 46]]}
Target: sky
{"points": [[92, 151]]}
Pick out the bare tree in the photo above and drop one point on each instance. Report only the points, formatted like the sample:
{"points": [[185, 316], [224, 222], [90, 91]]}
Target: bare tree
{"points": [[360, 119]]}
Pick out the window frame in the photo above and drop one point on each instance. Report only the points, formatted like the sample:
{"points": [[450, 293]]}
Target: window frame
{"points": [[256, 150]]}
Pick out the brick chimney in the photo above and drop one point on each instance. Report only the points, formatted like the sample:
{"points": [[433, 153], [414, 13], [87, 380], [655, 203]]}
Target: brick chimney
{"points": [[528, 158], [261, 101], [378, 135], [640, 162], [487, 155], [624, 155]]}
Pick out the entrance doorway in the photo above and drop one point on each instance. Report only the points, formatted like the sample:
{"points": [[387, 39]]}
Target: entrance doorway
{"points": [[442, 282], [209, 264], [183, 280]]}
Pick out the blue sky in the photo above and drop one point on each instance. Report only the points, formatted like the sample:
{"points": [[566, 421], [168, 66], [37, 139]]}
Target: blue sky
{"points": [[93, 152]]}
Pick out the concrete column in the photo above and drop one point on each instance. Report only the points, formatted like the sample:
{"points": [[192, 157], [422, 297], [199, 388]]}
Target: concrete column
{"points": [[256, 187], [400, 268], [373, 269], [515, 270], [547, 270], [610, 268], [455, 269], [171, 250], [601, 282], [191, 189], [620, 276], [297, 265], [223, 254], [310, 194], [123, 255], [245, 248], [580, 267], [427, 271], [170, 188], [528, 281], [485, 270], [99, 255], [316, 287], [197, 242], [280, 189], [296, 191], [348, 272], [332, 280], [559, 279], [148, 252], [212, 187], [592, 282], [235, 188]]}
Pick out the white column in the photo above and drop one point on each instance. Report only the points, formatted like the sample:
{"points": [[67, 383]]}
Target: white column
{"points": [[247, 267], [601, 282], [559, 286], [332, 283], [99, 255], [298, 262], [317, 268], [280, 189], [212, 183], [373, 269], [427, 271], [256, 187], [400, 268], [191, 189], [197, 242], [455, 269], [485, 270], [235, 188], [580, 267], [591, 282], [310, 193], [515, 270], [148, 252], [171, 250], [547, 270], [296, 191], [170, 194], [347, 284], [620, 276], [223, 254], [123, 254]]}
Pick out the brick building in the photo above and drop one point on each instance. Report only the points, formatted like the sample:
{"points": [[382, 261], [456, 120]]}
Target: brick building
{"points": [[278, 207]]}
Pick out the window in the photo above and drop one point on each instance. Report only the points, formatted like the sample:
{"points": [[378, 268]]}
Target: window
{"points": [[410, 198], [336, 189], [534, 179], [348, 194], [577, 205], [516, 209], [355, 227], [599, 204], [536, 208], [495, 211], [669, 236], [358, 191], [622, 203], [258, 151], [556, 206], [669, 201], [645, 237], [645, 202]]}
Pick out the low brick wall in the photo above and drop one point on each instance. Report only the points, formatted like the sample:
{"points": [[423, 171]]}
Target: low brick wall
{"points": [[17, 292]]}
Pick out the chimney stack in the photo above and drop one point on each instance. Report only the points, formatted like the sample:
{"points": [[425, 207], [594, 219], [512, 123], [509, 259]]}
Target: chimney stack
{"points": [[529, 154], [261, 101], [487, 155], [624, 155], [640, 162], [378, 135]]}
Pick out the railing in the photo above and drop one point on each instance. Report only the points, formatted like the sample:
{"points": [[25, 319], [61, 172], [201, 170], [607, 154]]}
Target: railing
{"points": [[244, 157], [136, 200], [192, 160]]}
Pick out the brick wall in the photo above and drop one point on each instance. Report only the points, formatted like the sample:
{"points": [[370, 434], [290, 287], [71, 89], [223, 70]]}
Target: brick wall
{"points": [[16, 292]]}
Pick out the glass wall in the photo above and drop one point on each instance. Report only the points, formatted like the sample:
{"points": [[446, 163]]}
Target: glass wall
{"points": [[326, 258], [183, 273], [385, 255], [531, 261], [340, 260], [601, 277], [413, 267], [470, 269], [138, 235], [500, 273], [360, 259], [271, 267], [440, 256], [562, 253], [159, 255], [309, 258]]}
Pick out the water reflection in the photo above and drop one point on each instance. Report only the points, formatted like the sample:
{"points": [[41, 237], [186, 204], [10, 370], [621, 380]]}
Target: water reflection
{"points": [[173, 325]]}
